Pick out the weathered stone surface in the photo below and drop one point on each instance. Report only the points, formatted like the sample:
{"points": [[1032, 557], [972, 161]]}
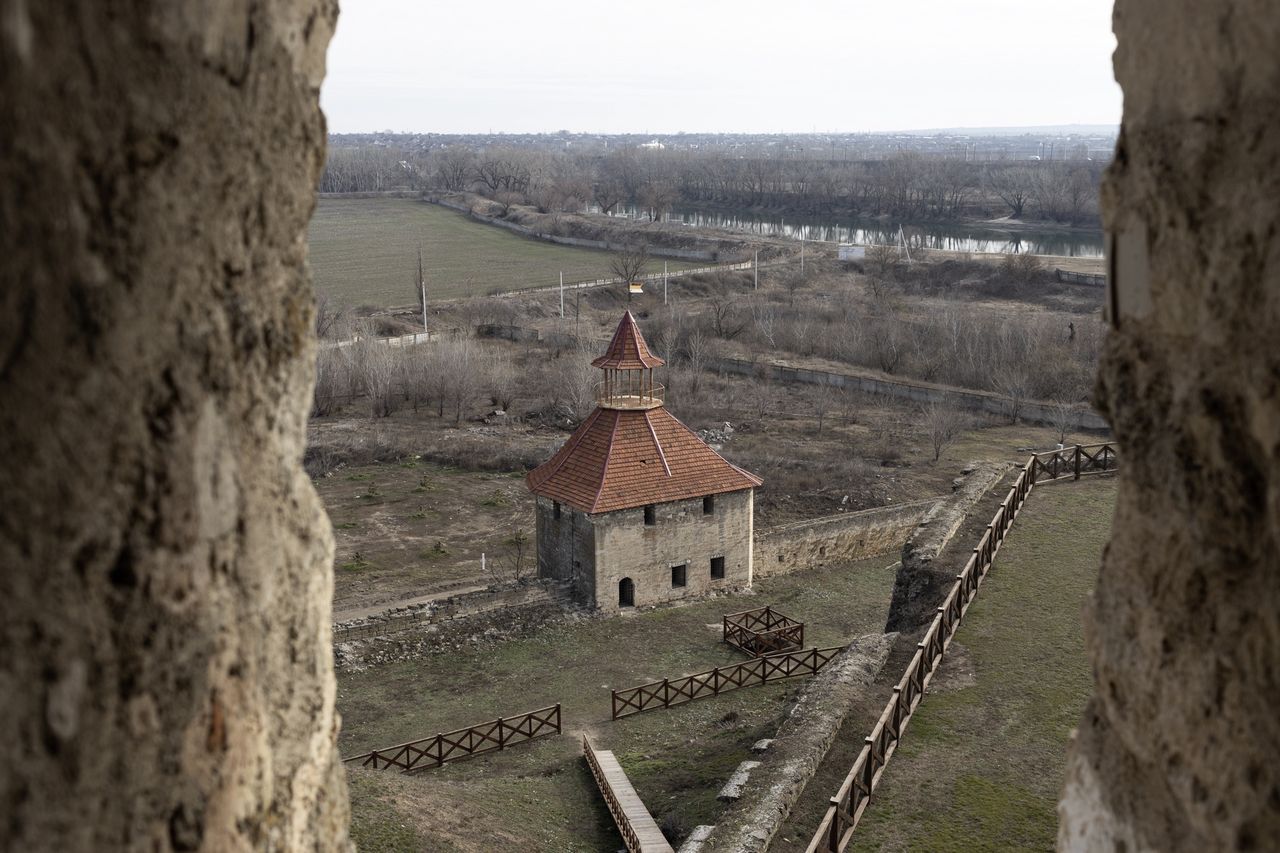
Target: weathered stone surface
{"points": [[922, 582], [731, 791], [837, 538], [802, 742], [696, 840], [165, 670], [1178, 749]]}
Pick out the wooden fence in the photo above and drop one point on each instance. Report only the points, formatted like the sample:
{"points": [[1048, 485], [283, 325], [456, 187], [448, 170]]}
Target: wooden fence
{"points": [[846, 807], [1091, 279], [1074, 461], [463, 743], [722, 679], [636, 826], [763, 631]]}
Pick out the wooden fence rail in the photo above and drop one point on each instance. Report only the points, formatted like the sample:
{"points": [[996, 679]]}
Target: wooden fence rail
{"points": [[722, 679], [636, 826], [1091, 279], [847, 806], [463, 743], [763, 631]]}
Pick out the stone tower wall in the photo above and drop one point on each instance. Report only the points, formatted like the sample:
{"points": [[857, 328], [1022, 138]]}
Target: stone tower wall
{"points": [[626, 547], [566, 547]]}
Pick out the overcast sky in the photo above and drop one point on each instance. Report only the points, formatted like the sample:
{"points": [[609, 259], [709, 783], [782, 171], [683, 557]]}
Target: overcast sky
{"points": [[662, 66]]}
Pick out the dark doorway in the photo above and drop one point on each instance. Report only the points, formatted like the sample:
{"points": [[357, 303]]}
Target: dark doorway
{"points": [[626, 593]]}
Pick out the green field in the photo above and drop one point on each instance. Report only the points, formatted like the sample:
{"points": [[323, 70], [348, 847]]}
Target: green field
{"points": [[365, 252], [983, 760]]}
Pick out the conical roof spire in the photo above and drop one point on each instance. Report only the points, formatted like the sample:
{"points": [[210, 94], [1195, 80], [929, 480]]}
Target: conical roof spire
{"points": [[627, 350]]}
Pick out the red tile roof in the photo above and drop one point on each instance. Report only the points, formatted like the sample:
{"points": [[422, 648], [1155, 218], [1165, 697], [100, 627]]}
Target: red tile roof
{"points": [[627, 350], [621, 459]]}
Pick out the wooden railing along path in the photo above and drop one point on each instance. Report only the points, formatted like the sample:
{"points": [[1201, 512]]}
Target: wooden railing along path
{"points": [[636, 826], [722, 679], [763, 631], [463, 743], [847, 806]]}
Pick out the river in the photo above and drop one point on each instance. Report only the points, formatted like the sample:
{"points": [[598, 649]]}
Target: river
{"points": [[954, 238]]}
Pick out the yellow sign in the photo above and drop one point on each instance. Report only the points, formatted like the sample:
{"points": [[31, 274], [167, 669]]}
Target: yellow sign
{"points": [[637, 287]]}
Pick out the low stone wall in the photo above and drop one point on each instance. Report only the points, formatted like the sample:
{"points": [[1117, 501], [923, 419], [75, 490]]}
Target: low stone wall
{"points": [[837, 538], [920, 584], [797, 750], [467, 619], [511, 622]]}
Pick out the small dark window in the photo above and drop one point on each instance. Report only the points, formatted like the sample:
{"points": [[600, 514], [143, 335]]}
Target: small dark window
{"points": [[717, 567], [555, 509], [650, 515], [709, 505], [679, 575]]}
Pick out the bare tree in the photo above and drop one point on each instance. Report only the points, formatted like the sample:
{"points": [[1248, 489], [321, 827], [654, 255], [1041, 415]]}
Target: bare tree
{"points": [[502, 380], [943, 423], [576, 380], [377, 366], [458, 364], [505, 200], [517, 552], [765, 315], [1065, 418], [333, 380], [417, 375], [607, 193], [1014, 382], [822, 400], [628, 263], [657, 199], [888, 344], [453, 169], [883, 260], [761, 391], [727, 321], [328, 316], [1014, 185]]}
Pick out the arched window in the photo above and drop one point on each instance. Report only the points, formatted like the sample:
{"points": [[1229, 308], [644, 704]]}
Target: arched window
{"points": [[626, 593]]}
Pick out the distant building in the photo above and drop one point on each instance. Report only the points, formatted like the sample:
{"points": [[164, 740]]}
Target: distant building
{"points": [[635, 509]]}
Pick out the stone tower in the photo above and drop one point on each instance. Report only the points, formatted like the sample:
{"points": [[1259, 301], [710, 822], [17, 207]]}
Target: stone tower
{"points": [[635, 509]]}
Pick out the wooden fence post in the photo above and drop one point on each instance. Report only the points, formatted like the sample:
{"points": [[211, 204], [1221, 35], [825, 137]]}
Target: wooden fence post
{"points": [[1077, 462], [666, 693], [502, 738]]}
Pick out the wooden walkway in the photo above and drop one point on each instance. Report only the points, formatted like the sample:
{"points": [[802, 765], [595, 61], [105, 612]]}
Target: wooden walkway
{"points": [[638, 829]]}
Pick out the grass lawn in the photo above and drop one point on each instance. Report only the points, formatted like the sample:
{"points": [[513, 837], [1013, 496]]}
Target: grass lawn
{"points": [[982, 763], [540, 796], [364, 252]]}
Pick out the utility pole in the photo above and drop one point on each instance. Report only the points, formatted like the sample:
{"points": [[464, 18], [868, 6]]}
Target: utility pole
{"points": [[561, 294], [802, 257], [422, 289], [755, 270], [664, 282]]}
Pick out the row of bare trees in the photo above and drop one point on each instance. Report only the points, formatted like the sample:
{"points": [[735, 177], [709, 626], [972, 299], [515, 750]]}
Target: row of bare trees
{"points": [[447, 375], [906, 186]]}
